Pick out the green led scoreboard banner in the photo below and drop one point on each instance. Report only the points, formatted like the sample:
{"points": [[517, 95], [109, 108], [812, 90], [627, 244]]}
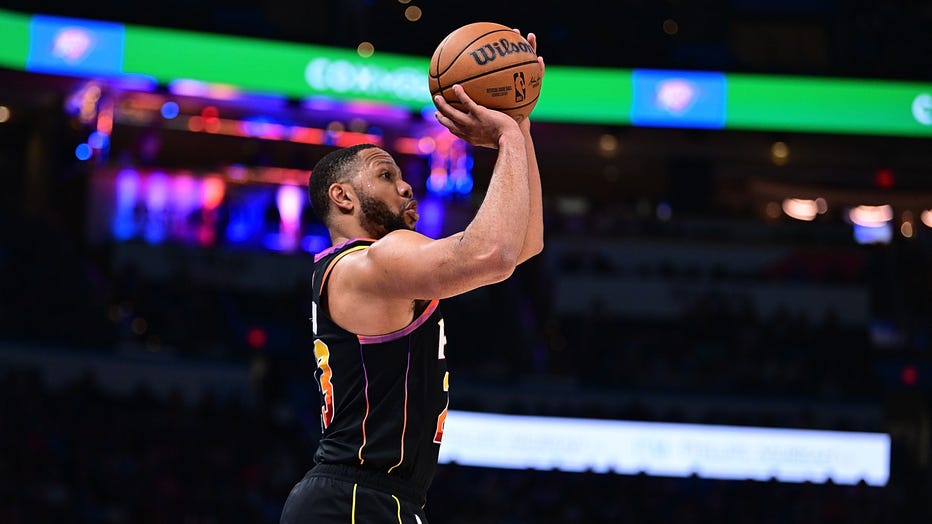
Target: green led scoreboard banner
{"points": [[639, 97], [290, 69], [873, 107]]}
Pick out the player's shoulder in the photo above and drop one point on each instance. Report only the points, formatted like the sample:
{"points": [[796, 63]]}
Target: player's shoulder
{"points": [[371, 261], [401, 239], [340, 250]]}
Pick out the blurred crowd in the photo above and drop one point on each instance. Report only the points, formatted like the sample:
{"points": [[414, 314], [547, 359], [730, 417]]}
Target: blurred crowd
{"points": [[83, 454], [79, 454], [714, 347], [60, 290]]}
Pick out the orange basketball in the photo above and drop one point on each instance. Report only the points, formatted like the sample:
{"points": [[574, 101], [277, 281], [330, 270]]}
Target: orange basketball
{"points": [[496, 66]]}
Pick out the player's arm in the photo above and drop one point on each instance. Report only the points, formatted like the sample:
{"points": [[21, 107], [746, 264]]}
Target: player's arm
{"points": [[534, 241], [406, 264], [534, 238]]}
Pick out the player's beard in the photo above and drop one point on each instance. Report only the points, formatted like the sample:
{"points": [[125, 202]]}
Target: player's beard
{"points": [[377, 219]]}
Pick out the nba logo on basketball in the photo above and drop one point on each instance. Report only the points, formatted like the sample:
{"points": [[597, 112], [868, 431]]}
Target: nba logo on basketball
{"points": [[520, 86]]}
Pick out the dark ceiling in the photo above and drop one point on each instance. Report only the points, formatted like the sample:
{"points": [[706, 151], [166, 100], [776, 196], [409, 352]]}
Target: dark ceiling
{"points": [[889, 39], [811, 37]]}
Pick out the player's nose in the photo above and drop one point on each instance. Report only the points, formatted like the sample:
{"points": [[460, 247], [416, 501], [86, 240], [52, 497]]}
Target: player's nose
{"points": [[404, 189]]}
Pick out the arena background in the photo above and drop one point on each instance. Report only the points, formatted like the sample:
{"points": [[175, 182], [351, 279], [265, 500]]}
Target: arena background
{"points": [[154, 367]]}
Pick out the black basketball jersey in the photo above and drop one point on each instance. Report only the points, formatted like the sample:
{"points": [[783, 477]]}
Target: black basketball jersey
{"points": [[383, 398]]}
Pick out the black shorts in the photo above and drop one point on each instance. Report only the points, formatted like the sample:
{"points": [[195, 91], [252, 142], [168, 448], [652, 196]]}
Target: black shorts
{"points": [[332, 494]]}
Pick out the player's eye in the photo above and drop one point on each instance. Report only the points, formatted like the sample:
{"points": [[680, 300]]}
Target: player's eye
{"points": [[386, 175]]}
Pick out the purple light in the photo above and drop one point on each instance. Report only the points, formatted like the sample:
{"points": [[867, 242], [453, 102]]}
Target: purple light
{"points": [[134, 82], [156, 192], [378, 111], [263, 127], [319, 103], [427, 113], [185, 192], [127, 192], [156, 201], [127, 189], [437, 183], [98, 140], [188, 87], [289, 200], [315, 243], [464, 184], [431, 221], [216, 91], [253, 126], [262, 101]]}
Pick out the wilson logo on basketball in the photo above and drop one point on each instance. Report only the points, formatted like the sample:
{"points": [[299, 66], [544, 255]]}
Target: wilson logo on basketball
{"points": [[503, 47]]}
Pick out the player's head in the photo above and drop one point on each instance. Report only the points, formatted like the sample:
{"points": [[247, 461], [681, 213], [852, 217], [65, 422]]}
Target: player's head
{"points": [[362, 181]]}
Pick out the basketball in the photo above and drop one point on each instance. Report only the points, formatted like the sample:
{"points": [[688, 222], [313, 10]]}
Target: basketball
{"points": [[496, 66]]}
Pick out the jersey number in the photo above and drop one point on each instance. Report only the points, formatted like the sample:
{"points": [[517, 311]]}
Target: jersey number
{"points": [[322, 353], [442, 418]]}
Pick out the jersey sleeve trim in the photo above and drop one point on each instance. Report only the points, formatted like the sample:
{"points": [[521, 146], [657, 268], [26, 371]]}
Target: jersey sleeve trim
{"points": [[323, 279], [377, 339], [339, 246]]}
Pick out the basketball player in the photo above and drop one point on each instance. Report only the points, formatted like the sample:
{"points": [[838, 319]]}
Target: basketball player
{"points": [[378, 333]]}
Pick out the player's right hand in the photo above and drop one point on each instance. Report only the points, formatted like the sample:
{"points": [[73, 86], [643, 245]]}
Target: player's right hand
{"points": [[531, 39], [478, 125]]}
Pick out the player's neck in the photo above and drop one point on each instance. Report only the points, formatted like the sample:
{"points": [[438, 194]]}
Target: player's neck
{"points": [[346, 228], [338, 237]]}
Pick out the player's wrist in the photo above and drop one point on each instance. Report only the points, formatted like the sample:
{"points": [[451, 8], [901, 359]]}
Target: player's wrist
{"points": [[511, 138], [525, 126]]}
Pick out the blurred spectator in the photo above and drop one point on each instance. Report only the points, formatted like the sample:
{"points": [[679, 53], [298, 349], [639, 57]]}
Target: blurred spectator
{"points": [[78, 454]]}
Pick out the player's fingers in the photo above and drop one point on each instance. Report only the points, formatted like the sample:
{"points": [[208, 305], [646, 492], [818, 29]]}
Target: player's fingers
{"points": [[532, 39], [467, 102], [446, 114], [444, 121], [449, 124], [442, 105], [440, 118]]}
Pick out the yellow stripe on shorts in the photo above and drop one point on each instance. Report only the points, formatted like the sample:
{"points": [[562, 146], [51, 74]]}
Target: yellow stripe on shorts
{"points": [[398, 503]]}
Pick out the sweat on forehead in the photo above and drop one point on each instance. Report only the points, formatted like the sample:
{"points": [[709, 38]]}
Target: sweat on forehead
{"points": [[376, 157]]}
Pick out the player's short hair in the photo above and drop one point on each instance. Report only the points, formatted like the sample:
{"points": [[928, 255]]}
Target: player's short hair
{"points": [[335, 166]]}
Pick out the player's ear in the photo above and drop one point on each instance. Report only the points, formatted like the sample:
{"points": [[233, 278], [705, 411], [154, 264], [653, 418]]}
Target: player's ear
{"points": [[342, 196]]}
